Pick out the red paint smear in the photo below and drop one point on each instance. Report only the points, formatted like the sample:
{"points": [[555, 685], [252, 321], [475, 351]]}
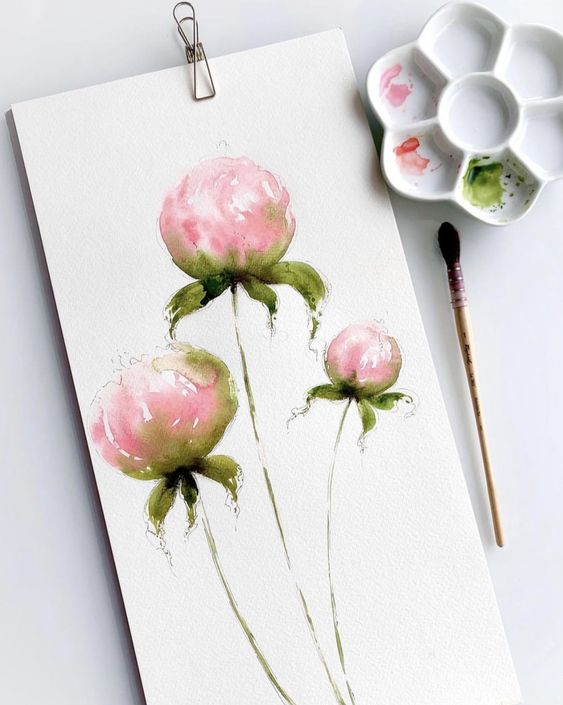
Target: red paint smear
{"points": [[395, 93], [410, 161], [409, 145]]}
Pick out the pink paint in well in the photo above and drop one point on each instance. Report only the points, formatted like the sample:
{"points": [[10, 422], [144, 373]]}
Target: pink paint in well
{"points": [[394, 93]]}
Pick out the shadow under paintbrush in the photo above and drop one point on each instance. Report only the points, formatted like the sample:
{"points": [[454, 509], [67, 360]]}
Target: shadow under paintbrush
{"points": [[89, 486], [430, 283]]}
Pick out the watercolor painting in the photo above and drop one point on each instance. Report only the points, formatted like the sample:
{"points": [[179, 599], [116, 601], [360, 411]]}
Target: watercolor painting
{"points": [[227, 225]]}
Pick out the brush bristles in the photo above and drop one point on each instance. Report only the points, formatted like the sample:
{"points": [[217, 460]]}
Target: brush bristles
{"points": [[448, 241]]}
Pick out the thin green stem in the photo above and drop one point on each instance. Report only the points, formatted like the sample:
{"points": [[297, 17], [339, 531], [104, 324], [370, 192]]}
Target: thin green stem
{"points": [[263, 462], [329, 555], [241, 620]]}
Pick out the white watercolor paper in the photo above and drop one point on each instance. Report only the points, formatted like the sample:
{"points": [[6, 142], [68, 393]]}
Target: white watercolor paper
{"points": [[416, 611]]}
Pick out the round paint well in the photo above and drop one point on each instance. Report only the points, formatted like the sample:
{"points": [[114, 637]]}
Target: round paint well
{"points": [[541, 141], [478, 113], [533, 65], [463, 38], [422, 162], [497, 187], [404, 87]]}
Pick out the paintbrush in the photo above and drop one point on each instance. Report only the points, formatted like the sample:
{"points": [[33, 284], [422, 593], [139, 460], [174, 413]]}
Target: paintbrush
{"points": [[448, 240]]}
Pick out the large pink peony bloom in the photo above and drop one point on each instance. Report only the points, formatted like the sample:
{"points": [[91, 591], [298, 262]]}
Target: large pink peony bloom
{"points": [[227, 215], [163, 413], [364, 357]]}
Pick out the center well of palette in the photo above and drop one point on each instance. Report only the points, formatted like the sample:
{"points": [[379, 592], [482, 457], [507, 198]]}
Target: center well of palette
{"points": [[479, 113]]}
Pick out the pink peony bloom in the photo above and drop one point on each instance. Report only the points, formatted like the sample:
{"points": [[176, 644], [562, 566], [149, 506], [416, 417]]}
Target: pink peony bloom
{"points": [[365, 357], [227, 215], [163, 413]]}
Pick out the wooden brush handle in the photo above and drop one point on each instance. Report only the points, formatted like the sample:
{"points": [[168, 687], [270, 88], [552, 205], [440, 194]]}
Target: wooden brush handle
{"points": [[465, 335]]}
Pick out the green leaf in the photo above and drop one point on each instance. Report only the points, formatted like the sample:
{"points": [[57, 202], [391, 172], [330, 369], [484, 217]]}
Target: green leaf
{"points": [[389, 401], [261, 292], [367, 416], [194, 297], [325, 391], [190, 493], [223, 470], [185, 301], [160, 502], [305, 280], [322, 391]]}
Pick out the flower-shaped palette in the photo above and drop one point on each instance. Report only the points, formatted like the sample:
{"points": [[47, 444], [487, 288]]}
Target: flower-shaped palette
{"points": [[473, 112]]}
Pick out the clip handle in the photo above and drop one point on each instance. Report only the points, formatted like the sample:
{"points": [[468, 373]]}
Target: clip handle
{"points": [[194, 49]]}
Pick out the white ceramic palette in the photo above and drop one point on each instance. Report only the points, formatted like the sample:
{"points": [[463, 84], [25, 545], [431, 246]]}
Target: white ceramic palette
{"points": [[472, 112]]}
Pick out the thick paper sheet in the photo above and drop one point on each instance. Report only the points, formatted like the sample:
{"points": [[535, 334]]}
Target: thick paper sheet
{"points": [[416, 609]]}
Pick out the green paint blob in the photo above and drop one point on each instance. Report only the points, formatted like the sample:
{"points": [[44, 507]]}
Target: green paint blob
{"points": [[482, 183]]}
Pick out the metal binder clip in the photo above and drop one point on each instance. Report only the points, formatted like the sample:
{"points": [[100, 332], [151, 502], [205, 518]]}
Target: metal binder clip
{"points": [[194, 48]]}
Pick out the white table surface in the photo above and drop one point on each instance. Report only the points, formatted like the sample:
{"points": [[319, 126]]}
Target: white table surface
{"points": [[63, 635]]}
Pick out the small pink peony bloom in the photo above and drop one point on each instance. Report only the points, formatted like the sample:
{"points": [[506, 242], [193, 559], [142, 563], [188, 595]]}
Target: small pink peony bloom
{"points": [[163, 413], [365, 357], [227, 215]]}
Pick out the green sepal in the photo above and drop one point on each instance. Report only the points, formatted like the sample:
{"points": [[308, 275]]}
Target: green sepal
{"points": [[190, 494], [388, 401], [325, 391], [367, 416], [224, 470], [160, 502], [261, 292], [305, 280], [194, 297]]}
